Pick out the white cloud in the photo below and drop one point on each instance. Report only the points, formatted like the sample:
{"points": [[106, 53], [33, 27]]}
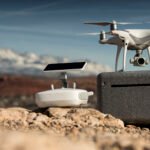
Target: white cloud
{"points": [[27, 11], [33, 64]]}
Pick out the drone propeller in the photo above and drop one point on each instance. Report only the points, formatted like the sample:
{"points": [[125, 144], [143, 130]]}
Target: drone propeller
{"points": [[96, 33], [91, 33], [113, 24], [99, 23], [110, 23], [126, 23]]}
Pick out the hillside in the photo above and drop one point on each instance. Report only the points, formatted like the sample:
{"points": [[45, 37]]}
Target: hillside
{"points": [[15, 85]]}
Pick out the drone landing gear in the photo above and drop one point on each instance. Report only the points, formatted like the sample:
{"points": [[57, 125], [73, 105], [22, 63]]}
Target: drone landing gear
{"points": [[117, 57], [148, 51], [124, 56]]}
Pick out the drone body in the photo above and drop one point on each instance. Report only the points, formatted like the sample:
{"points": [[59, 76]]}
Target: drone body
{"points": [[129, 39]]}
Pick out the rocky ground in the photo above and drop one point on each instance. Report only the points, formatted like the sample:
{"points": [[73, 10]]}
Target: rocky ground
{"points": [[68, 128]]}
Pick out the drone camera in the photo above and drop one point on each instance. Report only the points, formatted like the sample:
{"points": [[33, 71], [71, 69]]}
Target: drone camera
{"points": [[141, 61], [138, 61]]}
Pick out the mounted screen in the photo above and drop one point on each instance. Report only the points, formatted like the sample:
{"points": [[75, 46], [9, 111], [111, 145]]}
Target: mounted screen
{"points": [[65, 66]]}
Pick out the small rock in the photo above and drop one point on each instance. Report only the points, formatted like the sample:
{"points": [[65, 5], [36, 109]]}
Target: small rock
{"points": [[13, 113], [57, 112], [31, 117]]}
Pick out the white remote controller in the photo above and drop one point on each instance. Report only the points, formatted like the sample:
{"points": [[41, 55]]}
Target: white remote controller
{"points": [[63, 97]]}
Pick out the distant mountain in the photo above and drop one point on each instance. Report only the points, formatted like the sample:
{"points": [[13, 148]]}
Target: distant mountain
{"points": [[32, 64]]}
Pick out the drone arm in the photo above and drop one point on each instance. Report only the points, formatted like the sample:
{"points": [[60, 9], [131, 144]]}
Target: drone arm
{"points": [[117, 57], [148, 51]]}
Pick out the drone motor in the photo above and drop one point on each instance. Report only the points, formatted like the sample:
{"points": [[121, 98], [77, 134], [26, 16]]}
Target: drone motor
{"points": [[102, 35], [113, 26]]}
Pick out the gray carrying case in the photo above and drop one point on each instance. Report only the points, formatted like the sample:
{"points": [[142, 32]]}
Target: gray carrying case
{"points": [[125, 95]]}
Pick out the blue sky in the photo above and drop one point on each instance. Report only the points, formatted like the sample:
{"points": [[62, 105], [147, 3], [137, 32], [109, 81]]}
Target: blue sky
{"points": [[54, 27]]}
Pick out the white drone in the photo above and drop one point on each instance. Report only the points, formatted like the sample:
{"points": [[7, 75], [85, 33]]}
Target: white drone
{"points": [[129, 39]]}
